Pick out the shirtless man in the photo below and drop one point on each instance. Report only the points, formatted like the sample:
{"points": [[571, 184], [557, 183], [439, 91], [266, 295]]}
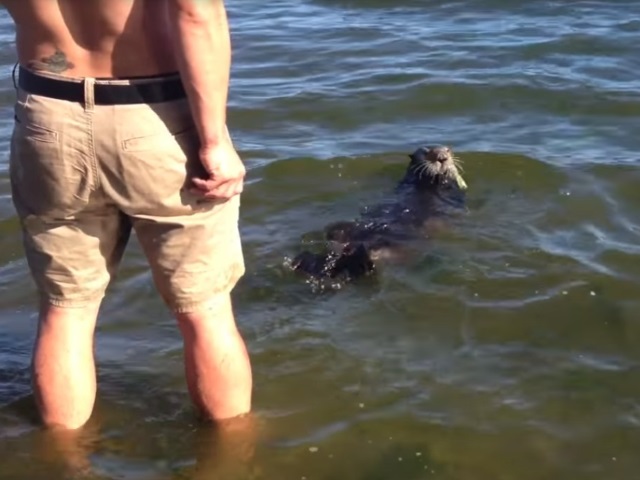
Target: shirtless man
{"points": [[120, 125]]}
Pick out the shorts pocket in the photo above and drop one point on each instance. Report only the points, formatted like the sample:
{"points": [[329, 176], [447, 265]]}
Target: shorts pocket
{"points": [[50, 176], [160, 140], [166, 154], [37, 133], [160, 167]]}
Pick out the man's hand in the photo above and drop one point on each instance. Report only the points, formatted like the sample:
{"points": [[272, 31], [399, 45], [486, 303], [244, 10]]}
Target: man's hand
{"points": [[226, 172]]}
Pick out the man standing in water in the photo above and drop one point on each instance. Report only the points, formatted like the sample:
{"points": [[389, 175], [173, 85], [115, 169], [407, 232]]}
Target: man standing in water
{"points": [[120, 124]]}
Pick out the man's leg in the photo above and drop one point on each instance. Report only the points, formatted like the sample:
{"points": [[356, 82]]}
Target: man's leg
{"points": [[64, 377], [196, 262], [72, 264], [217, 365], [193, 248], [73, 239], [71, 288]]}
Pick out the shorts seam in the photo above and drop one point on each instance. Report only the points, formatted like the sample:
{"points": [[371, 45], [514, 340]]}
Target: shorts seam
{"points": [[75, 303], [195, 305], [92, 148]]}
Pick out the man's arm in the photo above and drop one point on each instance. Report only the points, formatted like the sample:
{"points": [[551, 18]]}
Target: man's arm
{"points": [[201, 35], [203, 50]]}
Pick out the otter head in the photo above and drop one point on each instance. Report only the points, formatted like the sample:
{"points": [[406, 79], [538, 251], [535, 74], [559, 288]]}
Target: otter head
{"points": [[433, 167]]}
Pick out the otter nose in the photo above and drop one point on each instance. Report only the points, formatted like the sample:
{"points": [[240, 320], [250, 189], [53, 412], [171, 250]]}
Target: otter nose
{"points": [[437, 154], [441, 156]]}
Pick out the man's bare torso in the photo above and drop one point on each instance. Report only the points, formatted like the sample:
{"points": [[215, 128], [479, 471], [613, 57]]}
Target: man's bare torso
{"points": [[96, 38]]}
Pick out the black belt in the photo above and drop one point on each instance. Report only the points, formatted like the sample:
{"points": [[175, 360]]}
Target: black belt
{"points": [[155, 91]]}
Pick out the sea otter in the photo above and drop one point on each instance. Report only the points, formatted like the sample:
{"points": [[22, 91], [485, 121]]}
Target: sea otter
{"points": [[431, 187]]}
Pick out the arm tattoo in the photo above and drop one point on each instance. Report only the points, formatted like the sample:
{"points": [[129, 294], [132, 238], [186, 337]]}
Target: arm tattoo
{"points": [[56, 63]]}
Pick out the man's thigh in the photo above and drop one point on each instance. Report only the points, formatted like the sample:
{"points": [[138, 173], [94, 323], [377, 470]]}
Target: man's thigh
{"points": [[194, 258]]}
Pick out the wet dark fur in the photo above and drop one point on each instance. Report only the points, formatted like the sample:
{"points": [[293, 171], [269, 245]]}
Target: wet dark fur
{"points": [[427, 190]]}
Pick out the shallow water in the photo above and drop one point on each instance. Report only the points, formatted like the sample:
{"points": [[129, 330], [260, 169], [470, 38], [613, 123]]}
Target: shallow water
{"points": [[508, 348]]}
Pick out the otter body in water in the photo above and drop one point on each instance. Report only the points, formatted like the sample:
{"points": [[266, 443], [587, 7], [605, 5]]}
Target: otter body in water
{"points": [[430, 188]]}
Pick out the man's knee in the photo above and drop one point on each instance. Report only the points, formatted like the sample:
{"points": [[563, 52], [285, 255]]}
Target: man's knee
{"points": [[215, 313]]}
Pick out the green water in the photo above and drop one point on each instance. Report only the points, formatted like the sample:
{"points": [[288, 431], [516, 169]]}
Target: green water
{"points": [[508, 347]]}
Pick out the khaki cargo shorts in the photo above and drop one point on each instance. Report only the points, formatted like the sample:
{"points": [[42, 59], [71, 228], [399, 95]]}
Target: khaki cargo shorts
{"points": [[87, 171]]}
